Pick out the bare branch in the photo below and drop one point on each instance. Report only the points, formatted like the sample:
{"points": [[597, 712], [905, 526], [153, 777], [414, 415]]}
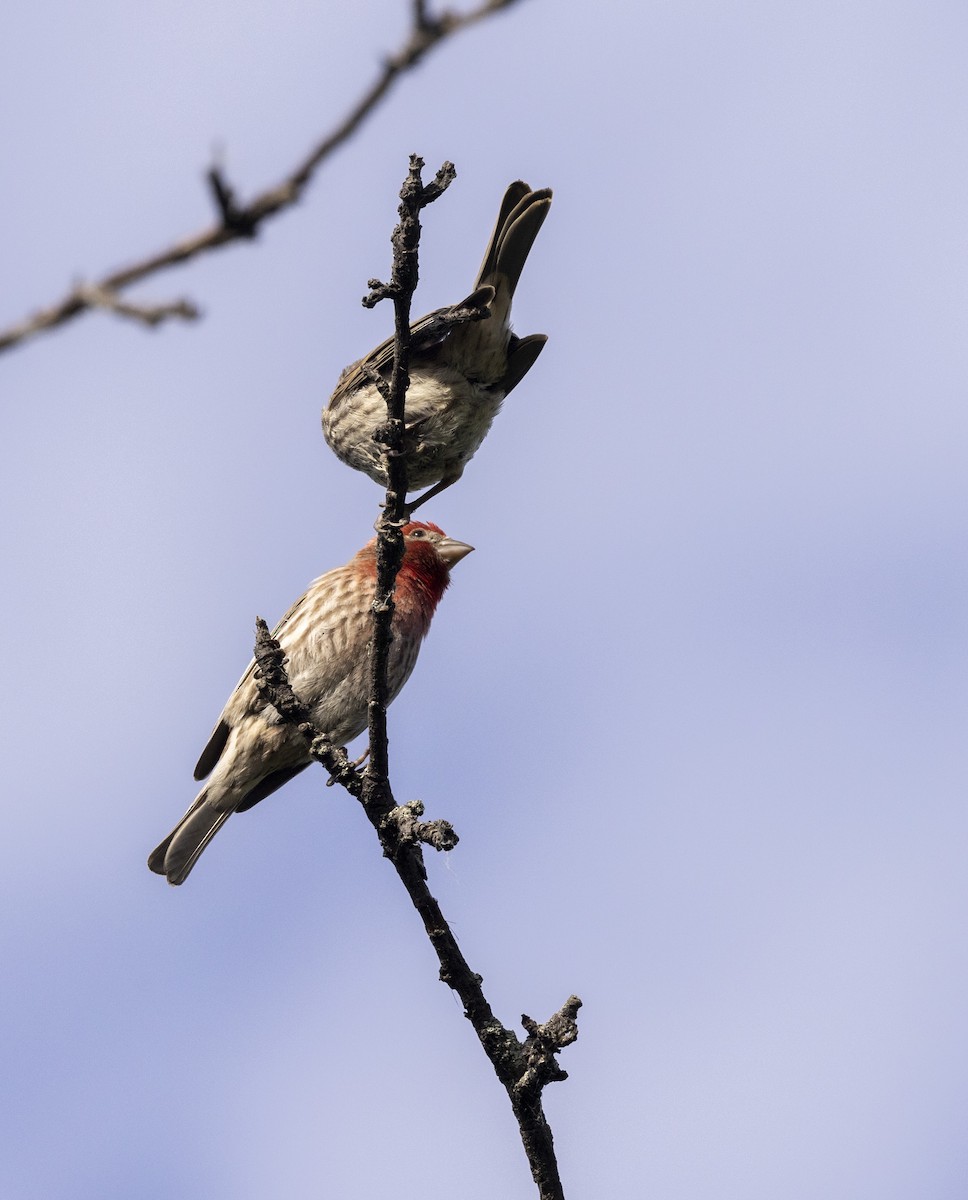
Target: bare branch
{"points": [[524, 1068], [242, 221]]}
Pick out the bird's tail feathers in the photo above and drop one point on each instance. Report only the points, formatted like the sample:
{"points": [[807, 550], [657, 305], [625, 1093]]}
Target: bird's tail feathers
{"points": [[179, 852], [522, 355], [519, 221]]}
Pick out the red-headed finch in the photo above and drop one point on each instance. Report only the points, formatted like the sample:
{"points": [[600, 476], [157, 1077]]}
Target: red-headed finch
{"points": [[459, 374], [324, 636]]}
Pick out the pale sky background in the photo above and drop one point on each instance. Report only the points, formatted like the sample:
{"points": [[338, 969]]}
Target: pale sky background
{"points": [[697, 705]]}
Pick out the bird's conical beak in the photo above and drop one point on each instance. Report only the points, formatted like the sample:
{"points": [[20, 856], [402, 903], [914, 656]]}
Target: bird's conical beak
{"points": [[452, 551]]}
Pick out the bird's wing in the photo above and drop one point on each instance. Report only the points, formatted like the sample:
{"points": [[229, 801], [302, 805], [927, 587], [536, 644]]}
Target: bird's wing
{"points": [[426, 333]]}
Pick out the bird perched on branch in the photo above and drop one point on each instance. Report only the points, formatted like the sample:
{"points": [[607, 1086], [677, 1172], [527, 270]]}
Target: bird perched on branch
{"points": [[325, 637], [461, 366]]}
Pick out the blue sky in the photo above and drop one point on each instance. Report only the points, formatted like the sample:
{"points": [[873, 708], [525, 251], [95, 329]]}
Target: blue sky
{"points": [[696, 706]]}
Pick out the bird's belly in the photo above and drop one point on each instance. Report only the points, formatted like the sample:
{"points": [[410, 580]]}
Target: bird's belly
{"points": [[447, 418]]}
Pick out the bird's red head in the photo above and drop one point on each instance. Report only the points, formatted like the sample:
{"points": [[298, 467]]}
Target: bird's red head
{"points": [[428, 555]]}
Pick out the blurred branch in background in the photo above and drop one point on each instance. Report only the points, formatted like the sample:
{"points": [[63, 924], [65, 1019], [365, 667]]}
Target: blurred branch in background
{"points": [[238, 221], [524, 1067]]}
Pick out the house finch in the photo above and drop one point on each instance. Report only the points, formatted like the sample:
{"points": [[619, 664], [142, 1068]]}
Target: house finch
{"points": [[459, 374], [324, 636]]}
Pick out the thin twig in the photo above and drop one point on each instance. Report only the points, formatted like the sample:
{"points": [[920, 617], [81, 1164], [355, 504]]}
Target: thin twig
{"points": [[242, 221], [272, 680], [148, 314]]}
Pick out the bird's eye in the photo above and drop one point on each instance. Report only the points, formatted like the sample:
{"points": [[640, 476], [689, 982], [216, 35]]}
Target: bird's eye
{"points": [[418, 533]]}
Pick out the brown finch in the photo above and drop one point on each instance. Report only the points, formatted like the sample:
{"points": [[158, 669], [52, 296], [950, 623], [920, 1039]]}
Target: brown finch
{"points": [[459, 374], [325, 637]]}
